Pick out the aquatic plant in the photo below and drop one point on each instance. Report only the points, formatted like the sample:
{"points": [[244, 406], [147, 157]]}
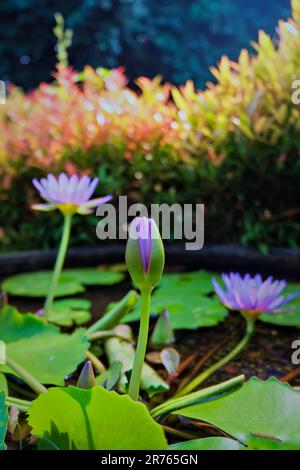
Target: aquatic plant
{"points": [[71, 196], [145, 258]]}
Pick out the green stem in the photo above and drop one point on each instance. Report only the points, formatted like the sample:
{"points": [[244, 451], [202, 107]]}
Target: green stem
{"points": [[25, 376], [208, 372], [107, 334], [113, 317], [135, 379], [58, 264], [23, 405], [177, 403]]}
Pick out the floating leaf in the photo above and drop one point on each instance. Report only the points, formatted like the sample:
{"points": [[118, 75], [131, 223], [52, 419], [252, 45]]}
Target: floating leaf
{"points": [[3, 421], [65, 312], [96, 276], [291, 318], [37, 285], [40, 348], [208, 443], [183, 296], [263, 415], [93, 419], [71, 281]]}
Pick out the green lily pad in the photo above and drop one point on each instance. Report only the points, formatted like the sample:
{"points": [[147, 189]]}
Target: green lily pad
{"points": [[224, 443], [40, 348], [263, 415], [93, 419], [208, 443], [291, 318], [66, 312], [72, 281], [200, 281], [96, 276], [183, 295], [37, 285], [187, 309], [3, 421]]}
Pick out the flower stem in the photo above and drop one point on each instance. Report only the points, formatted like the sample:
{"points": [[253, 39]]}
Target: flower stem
{"points": [[25, 376], [135, 379], [208, 372], [23, 405], [114, 316], [99, 366], [177, 403], [58, 264]]}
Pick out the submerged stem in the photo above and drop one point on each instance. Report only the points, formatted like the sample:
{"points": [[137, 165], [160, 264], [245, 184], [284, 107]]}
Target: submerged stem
{"points": [[58, 264], [135, 379], [25, 376], [208, 372]]}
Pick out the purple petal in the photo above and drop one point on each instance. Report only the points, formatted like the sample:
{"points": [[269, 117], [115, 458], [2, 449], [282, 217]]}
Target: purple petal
{"points": [[144, 228], [96, 202]]}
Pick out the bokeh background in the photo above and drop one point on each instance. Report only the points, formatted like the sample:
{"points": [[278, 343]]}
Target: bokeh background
{"points": [[188, 101], [178, 39]]}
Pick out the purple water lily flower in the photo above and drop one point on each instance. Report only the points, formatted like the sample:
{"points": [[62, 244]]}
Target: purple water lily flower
{"points": [[69, 194], [253, 294]]}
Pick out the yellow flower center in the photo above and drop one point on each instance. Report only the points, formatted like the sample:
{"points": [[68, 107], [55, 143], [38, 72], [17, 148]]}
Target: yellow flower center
{"points": [[67, 208]]}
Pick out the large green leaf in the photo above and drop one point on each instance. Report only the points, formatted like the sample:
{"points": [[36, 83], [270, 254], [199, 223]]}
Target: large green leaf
{"points": [[183, 296], [290, 318], [72, 281], [39, 347], [224, 443], [208, 443], [263, 415], [73, 418], [3, 421]]}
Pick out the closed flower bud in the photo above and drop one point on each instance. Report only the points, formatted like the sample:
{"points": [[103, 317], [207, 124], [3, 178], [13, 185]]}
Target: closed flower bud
{"points": [[145, 256], [87, 377]]}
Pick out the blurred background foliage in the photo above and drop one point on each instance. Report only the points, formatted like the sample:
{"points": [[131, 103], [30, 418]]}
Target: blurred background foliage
{"points": [[234, 146], [178, 39]]}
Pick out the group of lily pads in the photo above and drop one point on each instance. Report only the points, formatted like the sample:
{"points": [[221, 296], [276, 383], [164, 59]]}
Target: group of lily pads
{"points": [[69, 382]]}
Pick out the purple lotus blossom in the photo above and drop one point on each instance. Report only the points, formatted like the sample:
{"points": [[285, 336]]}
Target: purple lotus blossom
{"points": [[252, 294], [69, 194]]}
